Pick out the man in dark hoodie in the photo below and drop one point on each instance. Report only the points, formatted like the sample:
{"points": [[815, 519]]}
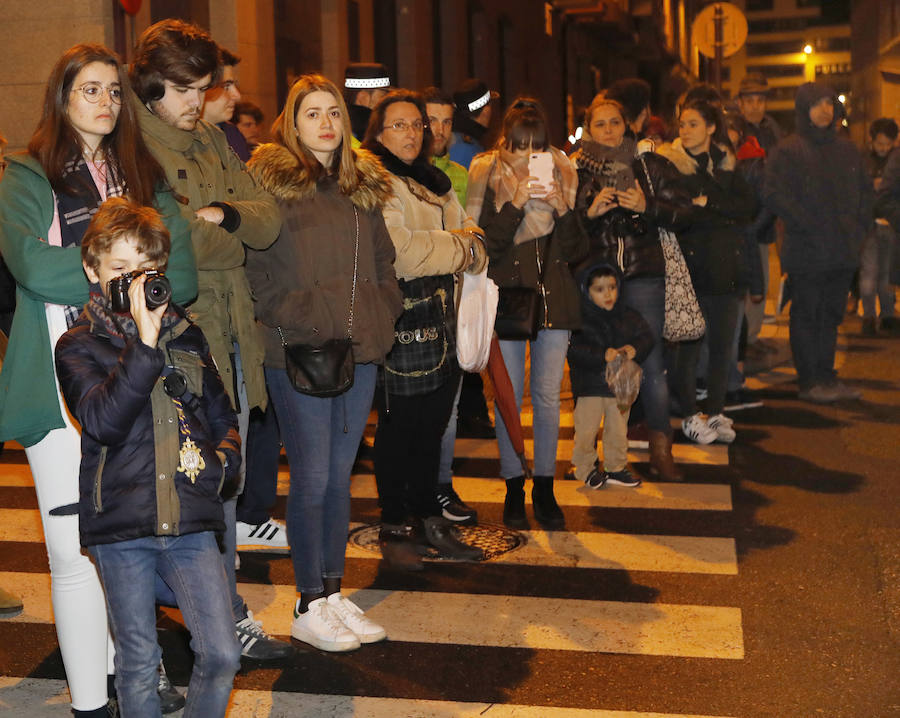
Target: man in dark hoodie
{"points": [[816, 181], [608, 329]]}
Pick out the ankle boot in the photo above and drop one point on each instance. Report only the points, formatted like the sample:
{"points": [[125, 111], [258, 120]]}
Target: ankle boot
{"points": [[546, 510], [399, 545], [514, 504], [662, 464]]}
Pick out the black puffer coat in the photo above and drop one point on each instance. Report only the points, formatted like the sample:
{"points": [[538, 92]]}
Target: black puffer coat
{"points": [[130, 485], [631, 241], [713, 244], [602, 330]]}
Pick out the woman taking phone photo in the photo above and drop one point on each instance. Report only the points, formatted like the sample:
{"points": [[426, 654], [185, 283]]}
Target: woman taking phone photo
{"points": [[532, 237], [712, 245], [87, 147], [329, 275], [624, 200]]}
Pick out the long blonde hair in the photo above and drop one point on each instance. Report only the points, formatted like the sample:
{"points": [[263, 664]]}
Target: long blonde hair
{"points": [[285, 132]]}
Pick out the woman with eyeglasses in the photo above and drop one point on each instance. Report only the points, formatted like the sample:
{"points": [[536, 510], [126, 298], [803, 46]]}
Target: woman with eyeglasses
{"points": [[532, 237], [87, 147], [329, 275], [436, 243], [623, 200]]}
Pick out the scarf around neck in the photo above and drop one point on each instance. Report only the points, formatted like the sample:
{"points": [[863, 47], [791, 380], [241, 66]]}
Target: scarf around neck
{"points": [[421, 170], [502, 173]]}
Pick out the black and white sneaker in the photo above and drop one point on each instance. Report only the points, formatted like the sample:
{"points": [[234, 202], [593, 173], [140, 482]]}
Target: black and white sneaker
{"points": [[170, 700], [270, 536], [596, 479], [257, 644], [622, 478], [454, 508]]}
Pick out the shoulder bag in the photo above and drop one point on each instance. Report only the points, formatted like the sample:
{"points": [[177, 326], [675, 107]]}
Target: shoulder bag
{"points": [[325, 370]]}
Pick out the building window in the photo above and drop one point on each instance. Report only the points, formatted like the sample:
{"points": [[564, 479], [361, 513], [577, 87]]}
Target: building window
{"points": [[777, 70]]}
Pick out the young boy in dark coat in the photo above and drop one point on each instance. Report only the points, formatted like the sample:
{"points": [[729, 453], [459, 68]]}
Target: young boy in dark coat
{"points": [[608, 328], [159, 444]]}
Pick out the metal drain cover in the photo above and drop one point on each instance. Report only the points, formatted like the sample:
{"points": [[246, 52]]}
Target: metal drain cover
{"points": [[493, 539]]}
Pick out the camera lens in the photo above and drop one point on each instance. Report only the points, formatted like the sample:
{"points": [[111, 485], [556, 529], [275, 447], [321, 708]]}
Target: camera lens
{"points": [[157, 290]]}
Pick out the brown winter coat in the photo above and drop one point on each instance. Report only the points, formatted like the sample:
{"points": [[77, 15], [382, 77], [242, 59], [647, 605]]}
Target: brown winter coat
{"points": [[303, 282]]}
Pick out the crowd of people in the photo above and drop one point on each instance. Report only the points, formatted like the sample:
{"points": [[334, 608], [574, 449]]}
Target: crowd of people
{"points": [[316, 276]]}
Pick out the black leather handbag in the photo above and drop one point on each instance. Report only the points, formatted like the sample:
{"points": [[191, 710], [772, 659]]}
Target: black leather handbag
{"points": [[325, 370], [518, 313]]}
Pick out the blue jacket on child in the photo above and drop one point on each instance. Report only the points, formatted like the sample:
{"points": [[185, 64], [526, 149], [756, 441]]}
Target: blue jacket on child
{"points": [[601, 330], [130, 484]]}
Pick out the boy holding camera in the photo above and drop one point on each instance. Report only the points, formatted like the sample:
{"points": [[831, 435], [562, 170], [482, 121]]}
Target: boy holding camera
{"points": [[159, 448]]}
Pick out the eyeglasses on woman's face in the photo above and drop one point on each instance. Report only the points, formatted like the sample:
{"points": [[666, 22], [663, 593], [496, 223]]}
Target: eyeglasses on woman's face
{"points": [[401, 126], [93, 92]]}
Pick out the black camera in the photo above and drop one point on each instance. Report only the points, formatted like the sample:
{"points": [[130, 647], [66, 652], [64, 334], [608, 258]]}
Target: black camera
{"points": [[157, 289]]}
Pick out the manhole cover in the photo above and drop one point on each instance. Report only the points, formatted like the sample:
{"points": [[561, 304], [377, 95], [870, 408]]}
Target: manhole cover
{"points": [[493, 539]]}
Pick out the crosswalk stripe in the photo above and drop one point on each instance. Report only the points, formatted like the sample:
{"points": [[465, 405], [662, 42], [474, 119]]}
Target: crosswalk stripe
{"points": [[631, 552], [650, 495], [656, 629], [45, 696]]}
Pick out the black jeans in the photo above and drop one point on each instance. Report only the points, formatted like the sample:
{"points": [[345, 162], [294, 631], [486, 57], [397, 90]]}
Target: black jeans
{"points": [[817, 310], [721, 313], [408, 451], [255, 504]]}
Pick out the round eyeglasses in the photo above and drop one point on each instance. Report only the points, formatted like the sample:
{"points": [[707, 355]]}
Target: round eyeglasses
{"points": [[93, 91]]}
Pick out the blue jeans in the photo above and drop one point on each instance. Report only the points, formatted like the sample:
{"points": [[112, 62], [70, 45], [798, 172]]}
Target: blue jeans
{"points": [[448, 442], [548, 362], [321, 437], [192, 566], [874, 269], [647, 296]]}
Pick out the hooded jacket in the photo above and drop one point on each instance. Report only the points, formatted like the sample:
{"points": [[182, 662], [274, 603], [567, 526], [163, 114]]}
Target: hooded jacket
{"points": [[130, 485], [29, 400], [713, 243], [201, 168], [602, 330], [303, 282], [816, 182]]}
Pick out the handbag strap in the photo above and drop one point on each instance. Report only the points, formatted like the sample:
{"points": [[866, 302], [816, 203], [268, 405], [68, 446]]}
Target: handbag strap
{"points": [[353, 288]]}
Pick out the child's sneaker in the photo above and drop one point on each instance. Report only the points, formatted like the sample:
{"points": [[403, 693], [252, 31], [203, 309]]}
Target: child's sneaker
{"points": [[596, 479], [622, 478], [697, 430], [722, 425]]}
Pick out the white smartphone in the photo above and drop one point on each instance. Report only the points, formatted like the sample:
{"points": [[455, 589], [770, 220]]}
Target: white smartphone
{"points": [[540, 165]]}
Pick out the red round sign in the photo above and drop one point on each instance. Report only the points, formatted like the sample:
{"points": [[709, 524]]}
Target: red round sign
{"points": [[131, 6]]}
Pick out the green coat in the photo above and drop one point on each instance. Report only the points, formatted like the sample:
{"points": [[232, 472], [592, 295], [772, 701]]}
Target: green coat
{"points": [[459, 175], [29, 406], [201, 167]]}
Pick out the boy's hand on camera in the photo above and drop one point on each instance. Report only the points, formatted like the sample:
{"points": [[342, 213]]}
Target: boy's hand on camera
{"points": [[148, 321]]}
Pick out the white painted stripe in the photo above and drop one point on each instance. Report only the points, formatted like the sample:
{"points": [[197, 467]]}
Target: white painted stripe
{"points": [[630, 552], [649, 495], [45, 698], [655, 629]]}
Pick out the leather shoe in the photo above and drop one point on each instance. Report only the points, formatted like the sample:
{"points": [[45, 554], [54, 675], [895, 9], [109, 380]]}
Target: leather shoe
{"points": [[441, 534], [399, 546]]}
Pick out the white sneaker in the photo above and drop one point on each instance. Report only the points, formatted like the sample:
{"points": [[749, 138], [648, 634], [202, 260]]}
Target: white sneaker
{"points": [[352, 616], [722, 425], [269, 536], [322, 627], [697, 430]]}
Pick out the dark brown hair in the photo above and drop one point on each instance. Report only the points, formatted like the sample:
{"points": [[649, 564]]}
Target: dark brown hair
{"points": [[120, 218], [525, 126], [285, 132], [176, 51], [376, 120], [55, 143], [711, 115], [247, 108]]}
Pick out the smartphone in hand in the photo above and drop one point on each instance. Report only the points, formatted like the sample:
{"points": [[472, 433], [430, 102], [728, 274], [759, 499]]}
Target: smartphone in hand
{"points": [[540, 165]]}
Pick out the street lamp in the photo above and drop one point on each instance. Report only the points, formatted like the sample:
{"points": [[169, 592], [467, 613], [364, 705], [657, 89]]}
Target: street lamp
{"points": [[807, 48], [842, 99]]}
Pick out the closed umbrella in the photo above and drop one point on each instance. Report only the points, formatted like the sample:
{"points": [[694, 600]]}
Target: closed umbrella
{"points": [[506, 403]]}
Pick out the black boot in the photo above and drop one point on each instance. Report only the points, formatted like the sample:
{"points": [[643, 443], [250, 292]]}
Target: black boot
{"points": [[400, 546], [441, 534], [546, 510], [514, 505]]}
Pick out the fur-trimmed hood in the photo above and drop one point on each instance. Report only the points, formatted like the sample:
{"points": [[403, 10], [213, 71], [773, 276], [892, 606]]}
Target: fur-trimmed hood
{"points": [[281, 174], [687, 165]]}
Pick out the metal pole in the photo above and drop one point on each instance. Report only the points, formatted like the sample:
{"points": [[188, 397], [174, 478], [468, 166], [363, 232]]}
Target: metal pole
{"points": [[719, 21]]}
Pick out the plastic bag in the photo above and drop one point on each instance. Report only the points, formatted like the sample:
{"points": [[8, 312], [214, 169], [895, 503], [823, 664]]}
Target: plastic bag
{"points": [[624, 378], [475, 321]]}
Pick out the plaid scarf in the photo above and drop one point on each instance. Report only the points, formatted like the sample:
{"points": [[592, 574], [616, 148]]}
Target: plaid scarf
{"points": [[501, 171]]}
